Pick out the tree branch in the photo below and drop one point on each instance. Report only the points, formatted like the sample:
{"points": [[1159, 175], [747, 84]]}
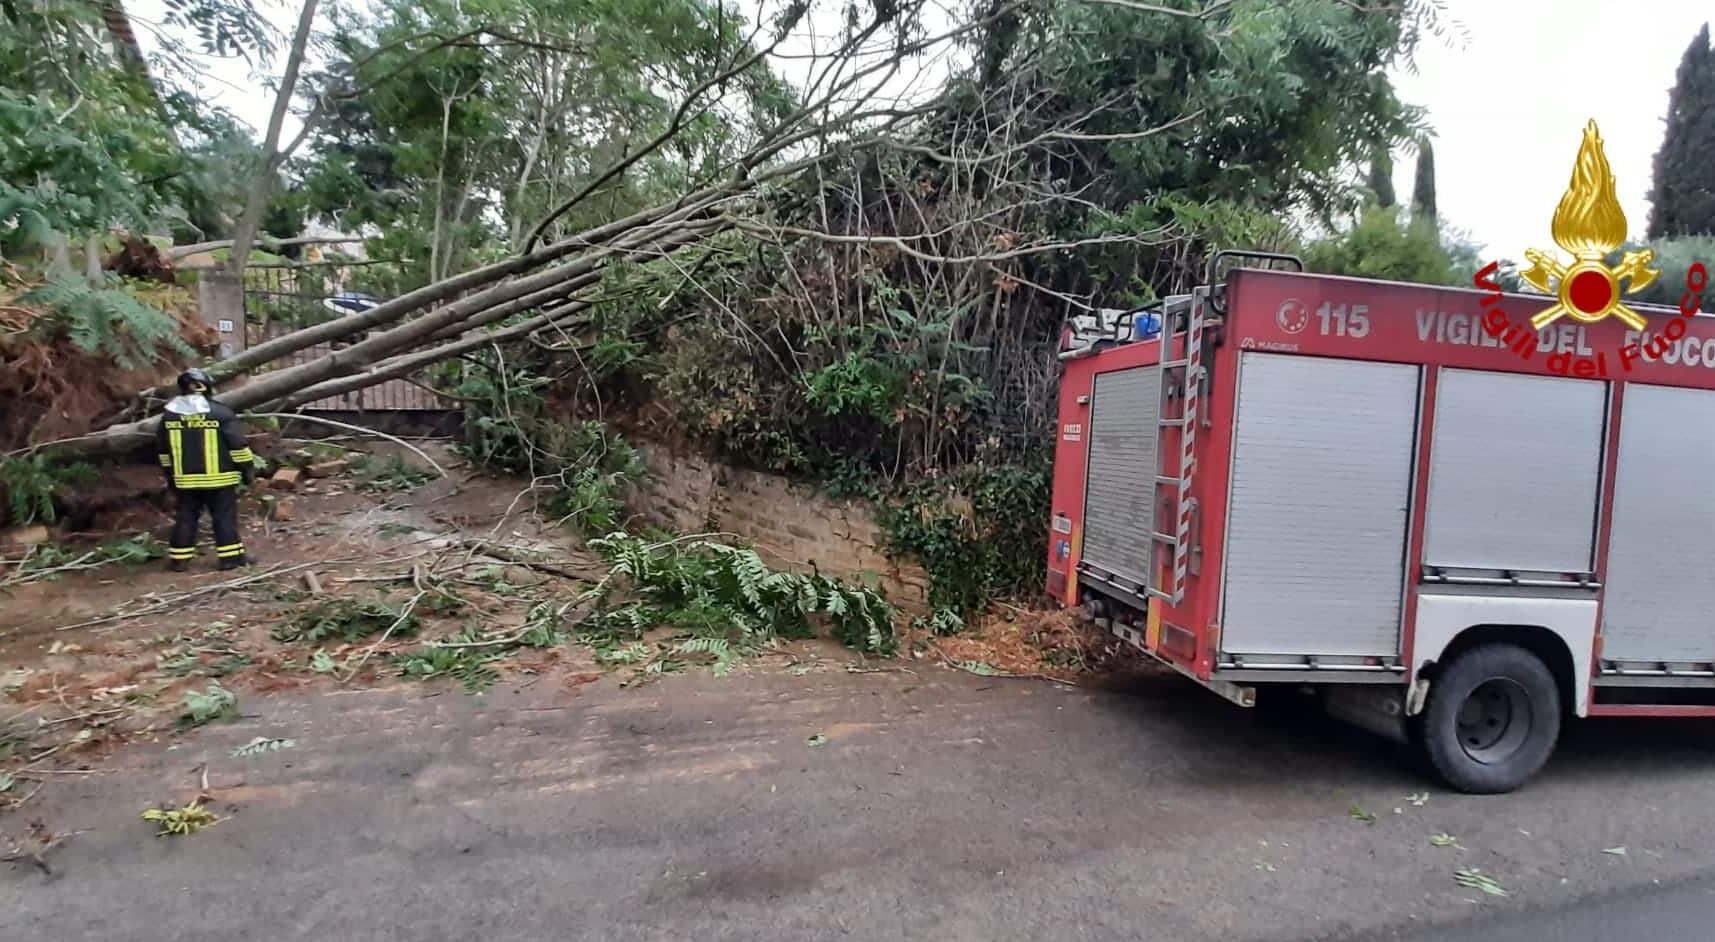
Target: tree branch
{"points": [[245, 232], [903, 243]]}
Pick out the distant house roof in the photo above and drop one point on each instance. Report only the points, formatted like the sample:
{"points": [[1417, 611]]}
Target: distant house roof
{"points": [[119, 24], [129, 50]]}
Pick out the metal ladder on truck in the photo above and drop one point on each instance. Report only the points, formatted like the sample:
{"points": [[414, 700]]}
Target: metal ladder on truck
{"points": [[1182, 380]]}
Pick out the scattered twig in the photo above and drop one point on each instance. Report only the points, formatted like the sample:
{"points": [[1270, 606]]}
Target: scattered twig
{"points": [[996, 672], [81, 716], [16, 803], [38, 856], [25, 577], [514, 556], [173, 601]]}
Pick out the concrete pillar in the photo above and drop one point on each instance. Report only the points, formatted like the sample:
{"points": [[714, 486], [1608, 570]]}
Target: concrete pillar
{"points": [[220, 299]]}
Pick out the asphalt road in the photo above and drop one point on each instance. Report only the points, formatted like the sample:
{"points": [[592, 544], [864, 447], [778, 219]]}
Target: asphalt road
{"points": [[939, 806], [1682, 913]]}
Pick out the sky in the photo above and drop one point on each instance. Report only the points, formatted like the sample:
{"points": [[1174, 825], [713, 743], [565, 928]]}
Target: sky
{"points": [[1508, 105], [1507, 94]]}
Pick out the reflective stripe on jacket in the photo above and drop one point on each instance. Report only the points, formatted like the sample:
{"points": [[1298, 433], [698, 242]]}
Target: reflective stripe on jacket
{"points": [[203, 450]]}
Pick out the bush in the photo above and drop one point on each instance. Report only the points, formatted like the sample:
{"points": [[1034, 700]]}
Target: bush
{"points": [[509, 427], [977, 532], [1386, 245], [1674, 258]]}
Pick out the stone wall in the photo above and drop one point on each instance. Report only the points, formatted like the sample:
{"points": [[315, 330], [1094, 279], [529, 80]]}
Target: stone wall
{"points": [[790, 525]]}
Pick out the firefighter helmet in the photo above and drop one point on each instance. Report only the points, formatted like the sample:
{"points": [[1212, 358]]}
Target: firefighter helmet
{"points": [[193, 382]]}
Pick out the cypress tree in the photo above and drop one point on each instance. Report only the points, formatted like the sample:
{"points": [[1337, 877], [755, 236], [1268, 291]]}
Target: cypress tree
{"points": [[1682, 196], [1423, 187], [1381, 178]]}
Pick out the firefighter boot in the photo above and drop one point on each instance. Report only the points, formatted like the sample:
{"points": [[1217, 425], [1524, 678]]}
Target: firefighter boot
{"points": [[236, 562]]}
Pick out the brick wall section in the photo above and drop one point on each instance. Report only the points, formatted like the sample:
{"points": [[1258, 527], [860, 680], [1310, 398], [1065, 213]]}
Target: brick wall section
{"points": [[789, 524]]}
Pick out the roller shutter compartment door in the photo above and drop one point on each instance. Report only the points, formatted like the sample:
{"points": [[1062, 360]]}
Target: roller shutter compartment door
{"points": [[1318, 506], [1659, 599], [1515, 472], [1119, 494]]}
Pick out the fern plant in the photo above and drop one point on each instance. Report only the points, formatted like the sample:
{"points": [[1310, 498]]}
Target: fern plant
{"points": [[105, 320], [31, 482], [727, 601]]}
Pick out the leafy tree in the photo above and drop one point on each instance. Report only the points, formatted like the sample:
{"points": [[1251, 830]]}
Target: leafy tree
{"points": [[1384, 245], [1673, 258], [1142, 138], [87, 136], [1683, 194], [81, 143], [457, 153]]}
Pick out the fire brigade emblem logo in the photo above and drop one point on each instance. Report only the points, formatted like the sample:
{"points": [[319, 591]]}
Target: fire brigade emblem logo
{"points": [[1589, 224], [1292, 316]]}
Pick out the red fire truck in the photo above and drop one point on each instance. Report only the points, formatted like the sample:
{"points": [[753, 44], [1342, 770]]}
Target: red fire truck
{"points": [[1351, 486]]}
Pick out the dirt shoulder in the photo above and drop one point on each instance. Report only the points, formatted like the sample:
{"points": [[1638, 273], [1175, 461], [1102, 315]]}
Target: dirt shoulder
{"points": [[375, 577]]}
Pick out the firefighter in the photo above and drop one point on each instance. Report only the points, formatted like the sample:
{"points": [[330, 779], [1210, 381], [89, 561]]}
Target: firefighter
{"points": [[205, 458]]}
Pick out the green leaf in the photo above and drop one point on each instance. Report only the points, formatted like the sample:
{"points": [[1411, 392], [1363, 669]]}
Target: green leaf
{"points": [[262, 744], [215, 703], [1472, 878]]}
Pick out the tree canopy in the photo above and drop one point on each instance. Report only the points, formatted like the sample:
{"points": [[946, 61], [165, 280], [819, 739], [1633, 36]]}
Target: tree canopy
{"points": [[93, 136]]}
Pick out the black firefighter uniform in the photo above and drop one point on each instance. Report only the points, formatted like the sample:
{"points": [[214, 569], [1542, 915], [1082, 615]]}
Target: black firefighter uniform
{"points": [[202, 451]]}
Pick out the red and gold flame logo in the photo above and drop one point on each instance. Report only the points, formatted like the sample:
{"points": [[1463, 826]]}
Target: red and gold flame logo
{"points": [[1589, 224]]}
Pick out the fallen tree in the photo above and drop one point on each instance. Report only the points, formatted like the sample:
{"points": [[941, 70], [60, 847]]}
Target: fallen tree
{"points": [[839, 105], [843, 170]]}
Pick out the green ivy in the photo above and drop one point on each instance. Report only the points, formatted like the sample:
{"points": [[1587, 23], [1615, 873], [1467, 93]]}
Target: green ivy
{"points": [[978, 532]]}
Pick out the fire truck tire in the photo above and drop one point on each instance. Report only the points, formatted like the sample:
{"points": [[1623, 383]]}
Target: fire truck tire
{"points": [[1492, 719]]}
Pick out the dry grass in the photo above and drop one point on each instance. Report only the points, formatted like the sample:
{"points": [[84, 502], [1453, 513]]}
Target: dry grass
{"points": [[1053, 643]]}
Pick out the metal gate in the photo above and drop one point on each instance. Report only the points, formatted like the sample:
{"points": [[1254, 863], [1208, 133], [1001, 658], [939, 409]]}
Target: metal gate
{"points": [[279, 299]]}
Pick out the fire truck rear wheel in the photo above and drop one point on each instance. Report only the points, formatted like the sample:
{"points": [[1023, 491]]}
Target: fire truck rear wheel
{"points": [[1492, 719]]}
